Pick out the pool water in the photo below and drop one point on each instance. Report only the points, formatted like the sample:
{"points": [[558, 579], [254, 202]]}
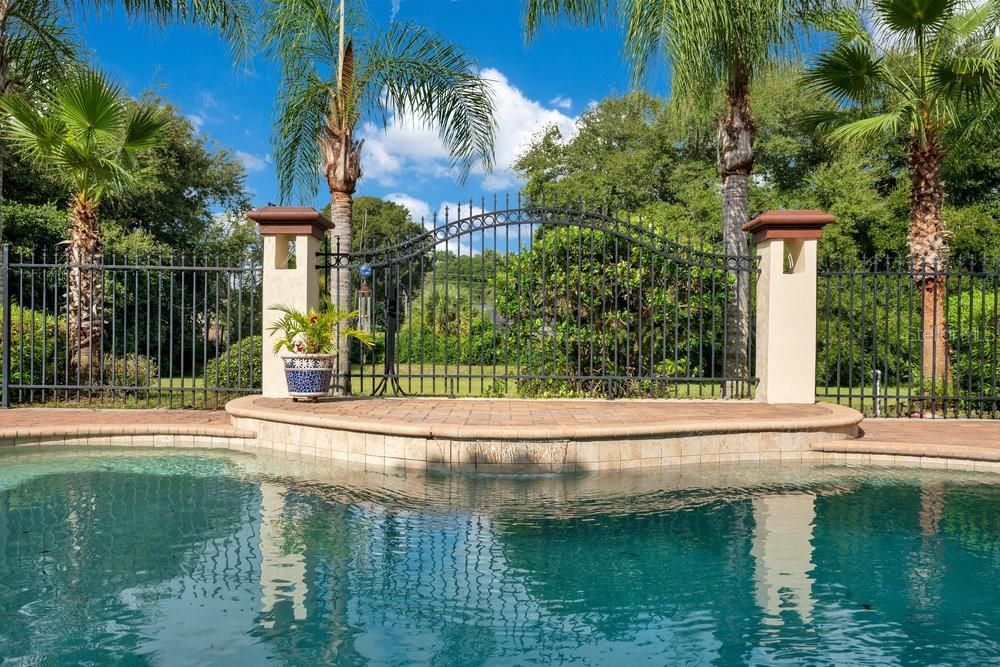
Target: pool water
{"points": [[181, 559]]}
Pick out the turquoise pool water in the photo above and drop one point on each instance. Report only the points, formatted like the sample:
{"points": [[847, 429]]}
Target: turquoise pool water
{"points": [[144, 558]]}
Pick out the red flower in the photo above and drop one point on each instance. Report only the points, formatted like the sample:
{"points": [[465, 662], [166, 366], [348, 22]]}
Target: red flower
{"points": [[313, 319]]}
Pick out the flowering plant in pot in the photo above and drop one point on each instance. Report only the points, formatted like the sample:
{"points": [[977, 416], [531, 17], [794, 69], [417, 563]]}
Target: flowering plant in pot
{"points": [[310, 340]]}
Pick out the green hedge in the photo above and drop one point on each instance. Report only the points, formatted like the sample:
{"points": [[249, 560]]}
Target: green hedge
{"points": [[35, 340], [130, 370], [237, 367]]}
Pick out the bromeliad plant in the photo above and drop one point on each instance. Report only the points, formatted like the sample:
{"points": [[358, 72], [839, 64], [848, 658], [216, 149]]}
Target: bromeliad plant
{"points": [[315, 332]]}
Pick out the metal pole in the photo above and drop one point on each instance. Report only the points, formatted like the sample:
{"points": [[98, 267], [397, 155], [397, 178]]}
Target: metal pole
{"points": [[5, 276]]}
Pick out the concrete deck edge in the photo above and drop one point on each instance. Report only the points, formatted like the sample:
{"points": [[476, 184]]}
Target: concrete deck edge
{"points": [[916, 449], [840, 417], [99, 430]]}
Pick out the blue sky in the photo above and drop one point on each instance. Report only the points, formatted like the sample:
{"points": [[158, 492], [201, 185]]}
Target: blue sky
{"points": [[552, 80]]}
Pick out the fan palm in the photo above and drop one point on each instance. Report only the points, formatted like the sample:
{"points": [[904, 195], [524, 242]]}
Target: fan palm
{"points": [[909, 76], [707, 45], [86, 134], [330, 83], [36, 44]]}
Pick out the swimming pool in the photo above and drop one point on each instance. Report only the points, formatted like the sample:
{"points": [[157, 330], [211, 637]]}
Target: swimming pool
{"points": [[195, 558]]}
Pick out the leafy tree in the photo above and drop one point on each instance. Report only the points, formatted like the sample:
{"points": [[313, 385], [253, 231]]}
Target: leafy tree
{"points": [[910, 78], [192, 190], [88, 137], [707, 44], [38, 46], [330, 83], [192, 198]]}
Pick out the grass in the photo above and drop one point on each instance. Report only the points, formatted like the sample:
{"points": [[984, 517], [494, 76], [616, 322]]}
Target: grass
{"points": [[478, 381]]}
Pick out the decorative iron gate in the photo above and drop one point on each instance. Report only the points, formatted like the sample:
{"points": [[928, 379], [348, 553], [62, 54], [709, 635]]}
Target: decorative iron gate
{"points": [[548, 301]]}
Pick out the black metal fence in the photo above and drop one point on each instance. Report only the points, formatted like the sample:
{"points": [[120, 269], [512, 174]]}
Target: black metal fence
{"points": [[129, 331], [543, 300], [894, 343]]}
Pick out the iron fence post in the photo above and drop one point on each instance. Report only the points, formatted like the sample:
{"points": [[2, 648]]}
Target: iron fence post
{"points": [[5, 276]]}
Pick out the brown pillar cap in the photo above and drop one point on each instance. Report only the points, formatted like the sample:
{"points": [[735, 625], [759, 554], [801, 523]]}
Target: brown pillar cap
{"points": [[788, 225], [290, 220]]}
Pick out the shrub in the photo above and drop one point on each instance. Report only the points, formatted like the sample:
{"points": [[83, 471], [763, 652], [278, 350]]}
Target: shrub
{"points": [[973, 326], [421, 344], [35, 340], [34, 227], [130, 370], [238, 367]]}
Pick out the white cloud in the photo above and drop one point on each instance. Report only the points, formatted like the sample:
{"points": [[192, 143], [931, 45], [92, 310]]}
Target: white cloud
{"points": [[419, 210], [561, 101], [197, 120], [395, 10], [253, 163], [410, 147]]}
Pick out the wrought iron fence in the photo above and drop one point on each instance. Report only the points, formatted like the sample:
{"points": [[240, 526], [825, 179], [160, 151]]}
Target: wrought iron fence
{"points": [[129, 331], [899, 343], [535, 300]]}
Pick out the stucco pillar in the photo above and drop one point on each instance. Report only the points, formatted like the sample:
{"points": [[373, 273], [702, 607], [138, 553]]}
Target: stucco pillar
{"points": [[786, 303], [292, 237]]}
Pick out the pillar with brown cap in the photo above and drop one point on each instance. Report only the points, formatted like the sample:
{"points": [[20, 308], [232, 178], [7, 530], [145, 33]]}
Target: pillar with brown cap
{"points": [[292, 237], [786, 303]]}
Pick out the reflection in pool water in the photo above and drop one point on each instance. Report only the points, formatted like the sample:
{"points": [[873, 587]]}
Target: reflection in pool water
{"points": [[202, 558]]}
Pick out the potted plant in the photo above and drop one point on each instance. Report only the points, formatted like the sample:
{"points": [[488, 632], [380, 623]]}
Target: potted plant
{"points": [[310, 340]]}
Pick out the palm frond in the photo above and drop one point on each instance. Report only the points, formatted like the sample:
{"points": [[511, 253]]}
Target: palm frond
{"points": [[414, 72], [232, 19], [576, 12], [39, 46], [969, 78], [143, 128], [849, 73], [90, 105], [303, 102], [871, 128], [915, 16]]}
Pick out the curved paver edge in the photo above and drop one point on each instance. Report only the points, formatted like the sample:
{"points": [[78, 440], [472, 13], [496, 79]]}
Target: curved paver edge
{"points": [[839, 417]]}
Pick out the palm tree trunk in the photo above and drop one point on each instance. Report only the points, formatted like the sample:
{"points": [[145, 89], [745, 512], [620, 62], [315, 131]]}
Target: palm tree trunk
{"points": [[736, 132], [928, 244], [340, 283], [86, 289], [4, 68], [342, 167]]}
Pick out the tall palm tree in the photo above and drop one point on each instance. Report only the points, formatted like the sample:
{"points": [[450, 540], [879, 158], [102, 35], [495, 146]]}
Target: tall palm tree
{"points": [[86, 134], [707, 45], [334, 75], [909, 76]]}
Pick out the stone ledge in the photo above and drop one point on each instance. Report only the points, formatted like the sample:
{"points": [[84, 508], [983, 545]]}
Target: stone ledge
{"points": [[910, 449], [88, 430], [816, 417], [666, 434]]}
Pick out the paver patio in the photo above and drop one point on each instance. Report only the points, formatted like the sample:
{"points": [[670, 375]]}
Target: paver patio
{"points": [[967, 439]]}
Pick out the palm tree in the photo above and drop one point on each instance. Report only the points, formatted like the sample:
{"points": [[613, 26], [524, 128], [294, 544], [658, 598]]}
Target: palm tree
{"points": [[37, 44], [708, 45], [86, 133], [909, 77], [330, 83]]}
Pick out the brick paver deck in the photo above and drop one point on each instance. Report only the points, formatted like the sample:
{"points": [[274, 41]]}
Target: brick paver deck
{"points": [[542, 419], [43, 422], [962, 439], [974, 439]]}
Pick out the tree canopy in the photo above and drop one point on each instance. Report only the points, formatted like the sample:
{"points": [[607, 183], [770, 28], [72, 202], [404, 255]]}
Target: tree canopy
{"points": [[640, 155]]}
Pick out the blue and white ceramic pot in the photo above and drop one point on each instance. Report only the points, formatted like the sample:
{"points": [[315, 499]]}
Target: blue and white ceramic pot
{"points": [[308, 375]]}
